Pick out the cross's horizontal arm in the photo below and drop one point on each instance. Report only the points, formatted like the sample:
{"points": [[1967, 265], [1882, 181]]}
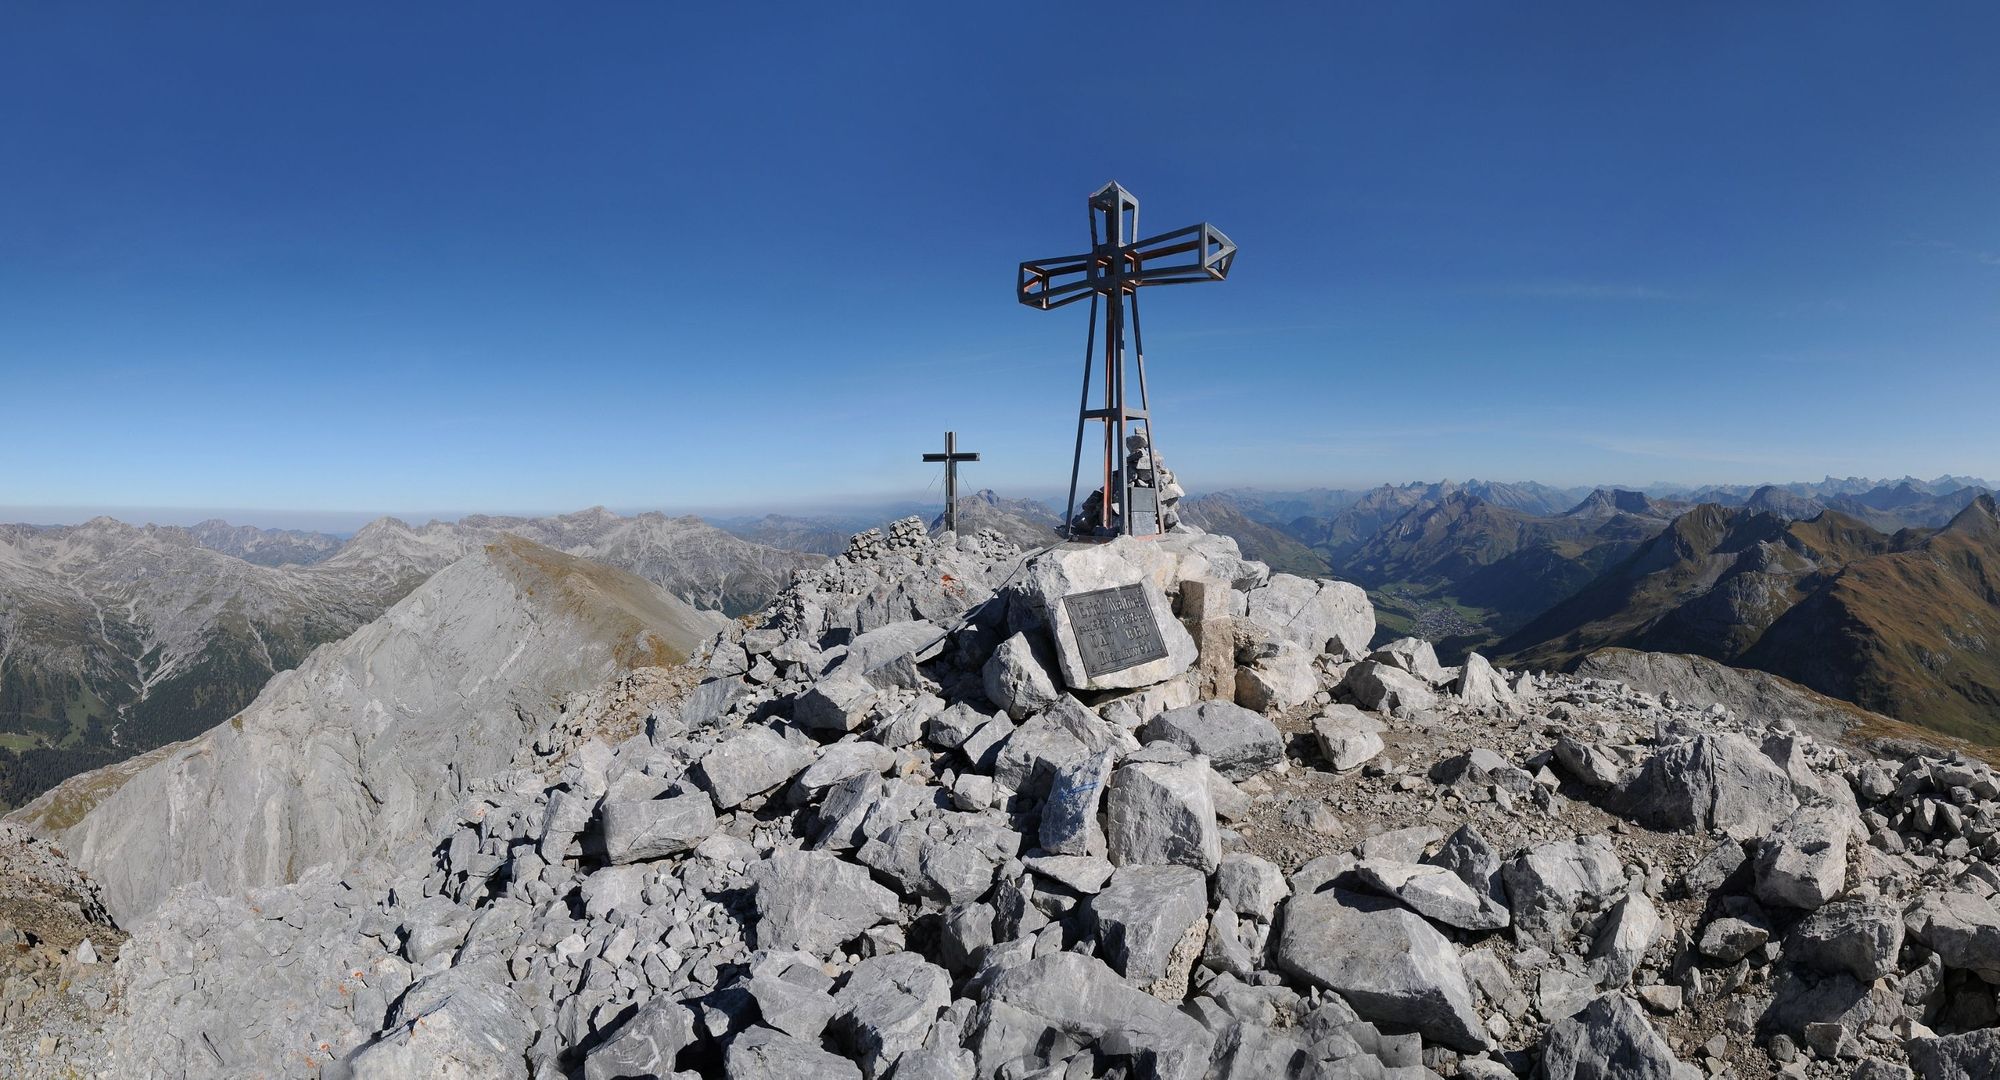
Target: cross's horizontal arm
{"points": [[1196, 253]]}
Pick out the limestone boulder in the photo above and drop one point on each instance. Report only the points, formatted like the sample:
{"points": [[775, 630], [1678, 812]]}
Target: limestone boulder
{"points": [[1069, 823], [1625, 935], [1348, 738], [1481, 687], [1610, 1039], [1434, 892], [1018, 677], [1142, 913], [644, 1044], [1962, 928], [1277, 678], [1712, 781], [1065, 1003], [1803, 862], [887, 1007], [1385, 961], [748, 763], [1414, 655], [1383, 688], [1251, 885], [1157, 812], [1549, 884], [1051, 579], [1322, 616], [762, 1053], [643, 829], [1860, 937], [815, 901], [1971, 1055], [1238, 743]]}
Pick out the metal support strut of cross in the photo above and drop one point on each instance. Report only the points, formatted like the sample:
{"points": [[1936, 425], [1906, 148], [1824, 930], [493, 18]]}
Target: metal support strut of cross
{"points": [[951, 457], [1115, 268]]}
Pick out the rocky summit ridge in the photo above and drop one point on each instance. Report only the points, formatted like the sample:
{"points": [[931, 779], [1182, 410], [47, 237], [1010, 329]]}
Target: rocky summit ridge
{"points": [[909, 823]]}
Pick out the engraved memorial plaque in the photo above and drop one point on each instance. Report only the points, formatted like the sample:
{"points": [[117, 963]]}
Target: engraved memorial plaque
{"points": [[1115, 629]]}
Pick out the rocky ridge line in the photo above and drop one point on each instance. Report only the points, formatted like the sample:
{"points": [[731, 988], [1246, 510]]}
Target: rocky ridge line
{"points": [[898, 831]]}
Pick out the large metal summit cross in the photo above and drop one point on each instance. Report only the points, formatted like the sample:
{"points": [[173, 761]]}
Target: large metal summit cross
{"points": [[1115, 267]]}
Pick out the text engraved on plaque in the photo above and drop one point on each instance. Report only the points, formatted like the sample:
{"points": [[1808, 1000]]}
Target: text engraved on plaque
{"points": [[1114, 629]]}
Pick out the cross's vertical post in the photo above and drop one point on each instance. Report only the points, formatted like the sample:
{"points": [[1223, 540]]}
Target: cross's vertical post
{"points": [[951, 457]]}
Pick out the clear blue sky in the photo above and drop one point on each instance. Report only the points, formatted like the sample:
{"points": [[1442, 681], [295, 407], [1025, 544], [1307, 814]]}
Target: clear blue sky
{"points": [[534, 257]]}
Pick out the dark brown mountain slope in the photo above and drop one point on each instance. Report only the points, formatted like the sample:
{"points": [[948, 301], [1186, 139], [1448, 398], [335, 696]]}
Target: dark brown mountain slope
{"points": [[1907, 625]]}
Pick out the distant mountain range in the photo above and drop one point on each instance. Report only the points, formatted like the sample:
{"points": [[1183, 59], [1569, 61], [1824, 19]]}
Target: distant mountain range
{"points": [[116, 638], [1872, 592]]}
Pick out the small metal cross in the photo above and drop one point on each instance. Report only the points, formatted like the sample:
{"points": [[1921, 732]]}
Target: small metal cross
{"points": [[951, 457]]}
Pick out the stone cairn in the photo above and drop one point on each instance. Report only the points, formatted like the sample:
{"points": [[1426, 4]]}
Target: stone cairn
{"points": [[914, 824], [1149, 470]]}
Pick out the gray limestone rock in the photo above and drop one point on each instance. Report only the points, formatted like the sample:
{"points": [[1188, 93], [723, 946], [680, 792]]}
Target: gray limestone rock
{"points": [[1385, 961], [1323, 616], [645, 1044], [1034, 753], [1712, 781], [748, 763], [1729, 939], [1714, 869], [1624, 936], [841, 701], [1239, 743], [886, 656], [1142, 913], [949, 729], [1972, 1055], [887, 1007], [1383, 688], [1413, 655], [1860, 937], [640, 830], [1018, 678], [1348, 738], [1548, 884], [1962, 928], [839, 762], [1610, 1039], [1803, 862], [1467, 854], [814, 900], [793, 994], [1069, 823], [1481, 687], [1051, 1007], [1434, 892], [1251, 885], [1160, 813], [1082, 874], [764, 1054], [1054, 575], [462, 1024], [1277, 677], [708, 702]]}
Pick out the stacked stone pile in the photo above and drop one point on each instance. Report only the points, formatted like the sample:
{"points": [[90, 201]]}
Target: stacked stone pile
{"points": [[1148, 470], [906, 827]]}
